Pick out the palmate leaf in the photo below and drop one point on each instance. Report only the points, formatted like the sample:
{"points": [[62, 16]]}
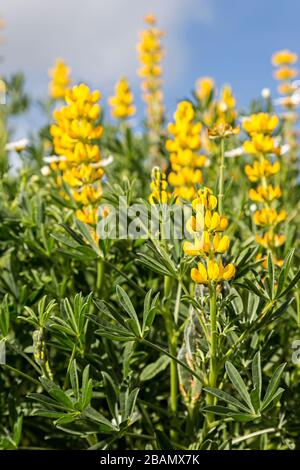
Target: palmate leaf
{"points": [[253, 407], [125, 329]]}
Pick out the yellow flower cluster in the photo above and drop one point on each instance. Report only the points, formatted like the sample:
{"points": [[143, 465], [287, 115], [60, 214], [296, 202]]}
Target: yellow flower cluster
{"points": [[122, 106], [226, 107], [207, 227], [184, 147], [283, 60], [74, 134], [204, 89], [150, 56], [60, 80], [218, 113], [260, 128], [158, 185]]}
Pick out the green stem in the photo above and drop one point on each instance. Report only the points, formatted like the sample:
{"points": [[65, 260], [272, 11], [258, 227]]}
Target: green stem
{"points": [[212, 378], [100, 276], [172, 344], [221, 179]]}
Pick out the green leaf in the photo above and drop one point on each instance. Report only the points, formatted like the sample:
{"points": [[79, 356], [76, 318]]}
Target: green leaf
{"points": [[151, 370], [284, 272], [226, 397], [61, 397], [97, 417], [273, 385], [252, 287], [130, 402], [290, 286], [270, 278], [152, 264], [85, 231], [272, 400], [111, 394], [125, 302], [74, 379], [239, 384], [163, 442], [256, 373]]}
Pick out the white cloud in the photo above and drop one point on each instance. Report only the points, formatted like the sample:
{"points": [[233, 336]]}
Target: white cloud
{"points": [[96, 37]]}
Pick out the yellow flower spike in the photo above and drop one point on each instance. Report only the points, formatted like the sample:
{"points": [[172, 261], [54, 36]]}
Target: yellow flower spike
{"points": [[74, 134], [204, 88], [284, 57], [60, 80], [122, 103], [158, 186], [183, 146], [150, 55]]}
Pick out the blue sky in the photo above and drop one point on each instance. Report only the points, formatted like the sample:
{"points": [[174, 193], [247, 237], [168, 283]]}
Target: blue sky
{"points": [[229, 40]]}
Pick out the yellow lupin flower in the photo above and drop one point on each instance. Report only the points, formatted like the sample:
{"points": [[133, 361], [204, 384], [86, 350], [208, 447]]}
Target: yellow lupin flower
{"points": [[122, 102], [60, 80], [263, 123], [74, 137], [150, 55], [261, 144], [261, 169], [260, 128], [183, 147], [285, 73], [284, 57], [221, 244], [206, 198], [158, 187], [268, 216], [226, 106], [209, 243], [265, 193], [204, 88], [213, 272], [270, 240]]}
